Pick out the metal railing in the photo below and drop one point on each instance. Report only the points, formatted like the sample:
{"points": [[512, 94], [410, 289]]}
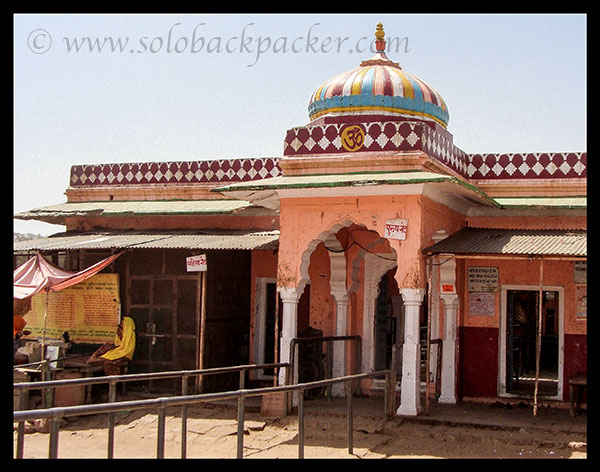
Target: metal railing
{"points": [[329, 340], [161, 404], [112, 380]]}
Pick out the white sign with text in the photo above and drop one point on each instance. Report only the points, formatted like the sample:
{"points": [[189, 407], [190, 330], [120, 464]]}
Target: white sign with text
{"points": [[396, 228], [196, 263]]}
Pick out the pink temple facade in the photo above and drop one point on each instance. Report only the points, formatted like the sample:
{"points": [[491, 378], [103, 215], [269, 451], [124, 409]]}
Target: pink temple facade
{"points": [[380, 228]]}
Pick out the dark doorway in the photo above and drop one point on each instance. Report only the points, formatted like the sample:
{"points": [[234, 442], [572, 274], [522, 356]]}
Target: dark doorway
{"points": [[387, 322], [521, 324], [270, 326], [227, 325], [163, 300]]}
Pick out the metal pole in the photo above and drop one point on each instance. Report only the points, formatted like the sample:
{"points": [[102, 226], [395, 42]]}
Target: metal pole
{"points": [[44, 330], [391, 405], [54, 427], [293, 358], [200, 381], [160, 440], [242, 379], [48, 399], [276, 335], [386, 397], [538, 340], [20, 439], [301, 424], [184, 385], [349, 415], [23, 401], [288, 381], [358, 363], [240, 421], [112, 396], [329, 368]]}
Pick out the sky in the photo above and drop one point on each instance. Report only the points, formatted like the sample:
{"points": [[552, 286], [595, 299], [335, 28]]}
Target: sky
{"points": [[112, 88]]}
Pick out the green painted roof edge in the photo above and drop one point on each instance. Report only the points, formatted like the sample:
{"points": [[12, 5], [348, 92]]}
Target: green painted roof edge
{"points": [[538, 202], [357, 183]]}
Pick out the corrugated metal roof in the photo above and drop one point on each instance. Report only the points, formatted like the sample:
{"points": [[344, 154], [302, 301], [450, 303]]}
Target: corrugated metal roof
{"points": [[56, 213], [542, 202], [205, 239], [554, 242]]}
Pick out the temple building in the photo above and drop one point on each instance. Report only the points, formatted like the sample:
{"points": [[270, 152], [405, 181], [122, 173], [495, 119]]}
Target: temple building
{"points": [[371, 225]]}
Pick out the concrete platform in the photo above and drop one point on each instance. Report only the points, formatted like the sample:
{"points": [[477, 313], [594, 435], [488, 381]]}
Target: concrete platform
{"points": [[501, 416]]}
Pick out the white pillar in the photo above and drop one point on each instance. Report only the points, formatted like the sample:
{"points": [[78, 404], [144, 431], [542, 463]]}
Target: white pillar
{"points": [[339, 347], [289, 328], [450, 299], [410, 395], [448, 390]]}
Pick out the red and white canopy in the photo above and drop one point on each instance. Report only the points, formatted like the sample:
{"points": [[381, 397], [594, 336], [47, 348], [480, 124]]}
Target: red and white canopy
{"points": [[37, 275]]}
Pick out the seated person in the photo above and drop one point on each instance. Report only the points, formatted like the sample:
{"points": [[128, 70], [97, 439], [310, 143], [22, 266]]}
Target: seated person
{"points": [[18, 331], [116, 356]]}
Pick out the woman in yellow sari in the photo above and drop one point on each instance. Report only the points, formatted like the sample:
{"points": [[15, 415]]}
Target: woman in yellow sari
{"points": [[116, 356]]}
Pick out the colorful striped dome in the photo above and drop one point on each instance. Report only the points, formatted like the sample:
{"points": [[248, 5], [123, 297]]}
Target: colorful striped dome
{"points": [[378, 86]]}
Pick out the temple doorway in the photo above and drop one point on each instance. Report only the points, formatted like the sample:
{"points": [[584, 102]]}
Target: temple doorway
{"points": [[388, 321], [522, 313]]}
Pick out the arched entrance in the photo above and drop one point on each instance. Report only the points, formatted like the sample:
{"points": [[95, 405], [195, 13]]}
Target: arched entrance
{"points": [[344, 265], [341, 269]]}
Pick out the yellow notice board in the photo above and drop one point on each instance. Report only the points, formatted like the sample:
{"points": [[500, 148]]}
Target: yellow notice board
{"points": [[89, 311]]}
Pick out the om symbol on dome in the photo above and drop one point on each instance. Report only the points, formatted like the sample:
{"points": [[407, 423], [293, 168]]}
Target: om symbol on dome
{"points": [[353, 138]]}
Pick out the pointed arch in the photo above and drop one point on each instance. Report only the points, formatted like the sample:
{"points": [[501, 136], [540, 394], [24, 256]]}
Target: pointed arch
{"points": [[337, 258]]}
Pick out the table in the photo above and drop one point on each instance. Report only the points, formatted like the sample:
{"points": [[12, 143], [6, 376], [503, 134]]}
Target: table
{"points": [[21, 397], [88, 370], [576, 385]]}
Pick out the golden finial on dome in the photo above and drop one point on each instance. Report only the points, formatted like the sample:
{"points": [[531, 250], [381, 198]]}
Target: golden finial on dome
{"points": [[379, 38], [380, 58]]}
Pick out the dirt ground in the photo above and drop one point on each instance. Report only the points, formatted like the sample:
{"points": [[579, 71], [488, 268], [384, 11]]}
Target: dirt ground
{"points": [[212, 434]]}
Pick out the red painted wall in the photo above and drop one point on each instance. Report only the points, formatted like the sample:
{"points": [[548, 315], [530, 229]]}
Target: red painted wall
{"points": [[575, 359], [478, 362], [479, 335]]}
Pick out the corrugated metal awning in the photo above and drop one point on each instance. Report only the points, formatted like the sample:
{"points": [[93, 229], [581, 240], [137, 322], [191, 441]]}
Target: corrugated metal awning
{"points": [[527, 242], [201, 239], [56, 214], [542, 202]]}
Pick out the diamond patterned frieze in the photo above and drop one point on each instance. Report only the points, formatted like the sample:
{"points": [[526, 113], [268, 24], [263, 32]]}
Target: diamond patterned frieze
{"points": [[349, 137], [527, 165], [222, 170], [333, 138], [341, 138]]}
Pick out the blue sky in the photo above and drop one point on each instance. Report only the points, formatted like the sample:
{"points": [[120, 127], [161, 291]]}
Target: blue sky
{"points": [[193, 87]]}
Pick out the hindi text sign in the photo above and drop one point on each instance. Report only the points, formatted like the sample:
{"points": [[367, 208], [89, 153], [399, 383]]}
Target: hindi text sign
{"points": [[89, 311], [483, 279], [482, 303], [396, 228], [196, 263], [581, 301], [580, 272]]}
